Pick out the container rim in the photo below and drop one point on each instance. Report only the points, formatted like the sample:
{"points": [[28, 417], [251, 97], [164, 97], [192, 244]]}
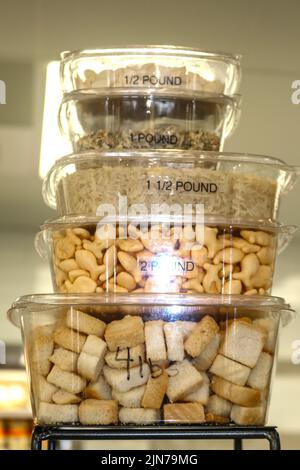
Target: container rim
{"points": [[57, 300], [71, 220], [135, 49], [178, 156], [118, 92]]}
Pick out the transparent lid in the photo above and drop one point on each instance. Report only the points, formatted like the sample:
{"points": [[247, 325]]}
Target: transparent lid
{"points": [[77, 95], [167, 50], [283, 174], [79, 220], [42, 302]]}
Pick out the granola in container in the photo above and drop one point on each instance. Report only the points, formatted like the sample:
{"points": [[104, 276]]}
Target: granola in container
{"points": [[133, 119]]}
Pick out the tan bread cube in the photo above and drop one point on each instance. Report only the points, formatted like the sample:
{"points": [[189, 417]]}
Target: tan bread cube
{"points": [[49, 413], [139, 416], [155, 341], [95, 347], [131, 399], [201, 336], [186, 327], [237, 394], [98, 412], [260, 374], [183, 379], [91, 359], [61, 397], [43, 388], [100, 390], [126, 357], [243, 343], [174, 341], [69, 339], [65, 359], [270, 327], [125, 333], [85, 323], [123, 380], [212, 418], [206, 358], [155, 391], [40, 352], [89, 366], [201, 394], [230, 370], [184, 413], [218, 406], [66, 380], [253, 416]]}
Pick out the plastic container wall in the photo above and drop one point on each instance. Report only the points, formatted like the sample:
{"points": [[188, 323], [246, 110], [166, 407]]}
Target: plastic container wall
{"points": [[149, 360], [151, 256]]}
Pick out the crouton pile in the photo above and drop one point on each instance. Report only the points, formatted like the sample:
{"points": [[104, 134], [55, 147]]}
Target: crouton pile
{"points": [[131, 371]]}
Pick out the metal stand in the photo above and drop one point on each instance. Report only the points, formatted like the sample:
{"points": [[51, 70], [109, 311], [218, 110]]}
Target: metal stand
{"points": [[235, 433]]}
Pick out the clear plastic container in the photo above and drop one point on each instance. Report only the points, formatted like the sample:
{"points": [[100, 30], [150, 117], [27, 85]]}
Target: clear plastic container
{"points": [[158, 359], [126, 118], [151, 66], [229, 185], [161, 254]]}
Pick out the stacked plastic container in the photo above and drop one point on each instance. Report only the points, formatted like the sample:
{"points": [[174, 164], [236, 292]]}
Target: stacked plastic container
{"points": [[163, 256]]}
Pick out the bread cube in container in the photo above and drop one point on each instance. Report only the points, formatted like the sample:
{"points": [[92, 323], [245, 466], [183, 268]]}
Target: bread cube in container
{"points": [[115, 363], [161, 254], [142, 67], [134, 119], [227, 184]]}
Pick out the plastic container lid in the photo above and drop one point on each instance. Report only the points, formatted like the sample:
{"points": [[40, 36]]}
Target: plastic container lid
{"points": [[89, 93], [167, 50], [69, 221], [38, 302]]}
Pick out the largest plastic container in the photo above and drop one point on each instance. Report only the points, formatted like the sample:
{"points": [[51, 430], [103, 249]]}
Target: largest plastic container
{"points": [[151, 66], [227, 184], [149, 360]]}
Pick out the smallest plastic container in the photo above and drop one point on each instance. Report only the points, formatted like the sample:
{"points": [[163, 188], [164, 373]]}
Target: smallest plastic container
{"points": [[175, 68], [137, 360]]}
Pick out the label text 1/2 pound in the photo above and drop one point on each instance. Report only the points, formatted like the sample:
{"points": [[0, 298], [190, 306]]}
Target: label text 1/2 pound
{"points": [[2, 92], [183, 186], [153, 80]]}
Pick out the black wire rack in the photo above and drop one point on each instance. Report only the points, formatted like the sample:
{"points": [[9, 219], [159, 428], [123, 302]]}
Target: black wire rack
{"points": [[53, 434]]}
